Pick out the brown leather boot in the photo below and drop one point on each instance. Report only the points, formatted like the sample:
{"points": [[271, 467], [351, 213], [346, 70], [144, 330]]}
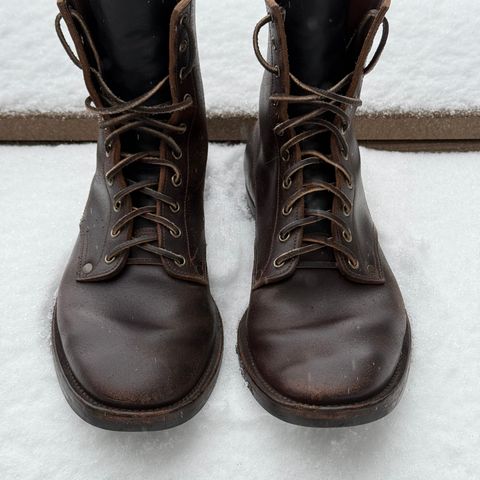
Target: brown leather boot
{"points": [[137, 336], [326, 340]]}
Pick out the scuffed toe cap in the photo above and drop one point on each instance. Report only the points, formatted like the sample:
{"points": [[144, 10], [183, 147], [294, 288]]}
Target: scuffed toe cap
{"points": [[132, 343], [137, 371], [314, 346], [320, 373]]}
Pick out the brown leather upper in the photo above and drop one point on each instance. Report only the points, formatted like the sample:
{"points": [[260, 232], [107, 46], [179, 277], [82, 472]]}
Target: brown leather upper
{"points": [[329, 330], [138, 327], [184, 80], [141, 340]]}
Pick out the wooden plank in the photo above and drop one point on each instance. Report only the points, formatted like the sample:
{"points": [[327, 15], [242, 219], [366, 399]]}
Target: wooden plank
{"points": [[433, 132]]}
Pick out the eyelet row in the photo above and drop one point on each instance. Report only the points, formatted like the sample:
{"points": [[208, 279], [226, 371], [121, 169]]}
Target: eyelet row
{"points": [[347, 236], [109, 260], [278, 264], [177, 155], [176, 233], [181, 262], [183, 46], [355, 265], [287, 183], [286, 211]]}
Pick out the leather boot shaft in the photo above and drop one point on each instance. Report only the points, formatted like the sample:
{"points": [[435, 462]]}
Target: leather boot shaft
{"points": [[287, 142], [172, 65]]}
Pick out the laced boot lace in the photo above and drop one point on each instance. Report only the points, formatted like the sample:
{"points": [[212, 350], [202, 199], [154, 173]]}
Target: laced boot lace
{"points": [[118, 117], [319, 120]]}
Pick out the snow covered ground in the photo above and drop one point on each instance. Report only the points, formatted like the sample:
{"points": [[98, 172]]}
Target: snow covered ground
{"points": [[425, 209], [430, 63]]}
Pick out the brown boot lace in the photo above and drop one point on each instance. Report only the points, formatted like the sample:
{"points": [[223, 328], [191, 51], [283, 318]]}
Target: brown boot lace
{"points": [[118, 117], [323, 101]]}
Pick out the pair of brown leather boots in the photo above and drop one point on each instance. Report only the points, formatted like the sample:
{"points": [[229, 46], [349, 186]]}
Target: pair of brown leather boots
{"points": [[137, 336]]}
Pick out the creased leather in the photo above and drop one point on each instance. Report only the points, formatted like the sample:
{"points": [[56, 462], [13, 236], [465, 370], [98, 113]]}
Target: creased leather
{"points": [[318, 336], [141, 335], [97, 223], [266, 166]]}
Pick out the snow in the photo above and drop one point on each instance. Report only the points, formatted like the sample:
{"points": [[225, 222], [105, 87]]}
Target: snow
{"points": [[422, 204], [430, 63]]}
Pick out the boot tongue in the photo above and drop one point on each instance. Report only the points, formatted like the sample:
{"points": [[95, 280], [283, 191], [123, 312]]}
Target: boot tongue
{"points": [[316, 33], [317, 46], [132, 38]]}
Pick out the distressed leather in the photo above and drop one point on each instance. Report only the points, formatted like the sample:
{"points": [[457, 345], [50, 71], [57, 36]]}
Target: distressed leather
{"points": [[319, 332], [138, 332]]}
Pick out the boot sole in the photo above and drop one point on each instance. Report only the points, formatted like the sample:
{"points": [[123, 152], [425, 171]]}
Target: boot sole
{"points": [[326, 416], [132, 420]]}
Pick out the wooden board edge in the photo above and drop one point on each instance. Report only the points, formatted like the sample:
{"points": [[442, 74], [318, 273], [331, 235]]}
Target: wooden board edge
{"points": [[432, 132]]}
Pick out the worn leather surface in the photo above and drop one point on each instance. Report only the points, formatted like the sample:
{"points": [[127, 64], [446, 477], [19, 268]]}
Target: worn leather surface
{"points": [[318, 338], [185, 79], [139, 332], [328, 333], [141, 340]]}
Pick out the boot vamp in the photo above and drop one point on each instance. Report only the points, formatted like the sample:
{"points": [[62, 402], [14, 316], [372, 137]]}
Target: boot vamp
{"points": [[140, 340], [318, 338]]}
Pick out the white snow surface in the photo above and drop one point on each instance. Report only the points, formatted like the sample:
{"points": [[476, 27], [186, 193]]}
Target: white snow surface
{"points": [[430, 63], [422, 204]]}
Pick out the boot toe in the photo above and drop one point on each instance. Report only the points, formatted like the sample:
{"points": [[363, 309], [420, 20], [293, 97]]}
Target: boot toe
{"points": [[320, 373], [136, 352], [316, 350]]}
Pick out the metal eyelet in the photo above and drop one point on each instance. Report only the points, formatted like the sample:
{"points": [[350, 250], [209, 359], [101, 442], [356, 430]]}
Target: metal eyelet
{"points": [[109, 260], [176, 180], [177, 155], [344, 128], [187, 96], [109, 181], [276, 69], [180, 262], [175, 208], [183, 20], [280, 133], [278, 264], [182, 74], [108, 149], [117, 206], [114, 234], [284, 238], [347, 236], [349, 185], [183, 126], [176, 234], [355, 265], [287, 183], [347, 210], [286, 155], [183, 46], [344, 154], [286, 211]]}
